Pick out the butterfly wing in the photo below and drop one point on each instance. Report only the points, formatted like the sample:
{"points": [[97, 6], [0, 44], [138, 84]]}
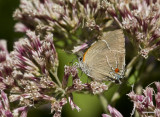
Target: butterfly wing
{"points": [[105, 54], [116, 42]]}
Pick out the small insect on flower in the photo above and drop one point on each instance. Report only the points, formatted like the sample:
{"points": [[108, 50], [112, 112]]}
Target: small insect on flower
{"points": [[105, 59]]}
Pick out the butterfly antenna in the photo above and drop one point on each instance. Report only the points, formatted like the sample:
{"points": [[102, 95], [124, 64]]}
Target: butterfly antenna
{"points": [[66, 51]]}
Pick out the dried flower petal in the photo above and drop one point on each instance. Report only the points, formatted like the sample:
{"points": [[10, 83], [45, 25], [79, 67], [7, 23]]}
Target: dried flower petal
{"points": [[57, 107], [105, 115], [78, 85], [144, 103], [98, 87], [114, 112], [148, 92], [157, 112], [73, 105], [23, 111], [81, 47], [19, 27], [157, 98], [69, 70]]}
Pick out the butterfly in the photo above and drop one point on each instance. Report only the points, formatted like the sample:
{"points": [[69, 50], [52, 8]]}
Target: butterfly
{"points": [[105, 59]]}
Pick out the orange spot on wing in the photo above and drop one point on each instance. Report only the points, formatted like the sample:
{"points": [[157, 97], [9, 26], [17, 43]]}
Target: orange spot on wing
{"points": [[116, 70], [85, 55]]}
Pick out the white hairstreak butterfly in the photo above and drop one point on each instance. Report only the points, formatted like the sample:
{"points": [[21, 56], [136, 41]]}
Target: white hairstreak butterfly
{"points": [[105, 59]]}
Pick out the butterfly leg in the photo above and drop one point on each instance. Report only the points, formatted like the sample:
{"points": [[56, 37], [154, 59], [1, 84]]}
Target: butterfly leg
{"points": [[123, 70]]}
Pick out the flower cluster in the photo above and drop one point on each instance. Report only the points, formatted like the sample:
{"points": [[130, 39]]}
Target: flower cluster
{"points": [[34, 60], [8, 83], [77, 85], [144, 104], [25, 72], [140, 21], [57, 107], [28, 75], [35, 56], [69, 20], [5, 110], [6, 67]]}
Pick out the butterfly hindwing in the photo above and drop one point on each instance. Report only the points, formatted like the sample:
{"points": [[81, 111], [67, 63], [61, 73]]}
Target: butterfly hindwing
{"points": [[105, 55]]}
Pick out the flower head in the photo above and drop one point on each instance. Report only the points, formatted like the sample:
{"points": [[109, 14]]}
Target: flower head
{"points": [[5, 110], [72, 21], [3, 51], [6, 67], [144, 103], [34, 60], [36, 56], [140, 20], [26, 72]]}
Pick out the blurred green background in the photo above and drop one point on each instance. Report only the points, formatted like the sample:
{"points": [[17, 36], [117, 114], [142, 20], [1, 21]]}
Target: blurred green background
{"points": [[89, 104]]}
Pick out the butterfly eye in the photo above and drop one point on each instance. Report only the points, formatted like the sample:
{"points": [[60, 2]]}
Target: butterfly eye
{"points": [[80, 58]]}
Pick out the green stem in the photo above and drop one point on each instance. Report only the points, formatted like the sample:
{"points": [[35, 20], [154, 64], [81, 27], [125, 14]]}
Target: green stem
{"points": [[115, 97], [104, 102], [130, 65], [103, 99], [56, 77]]}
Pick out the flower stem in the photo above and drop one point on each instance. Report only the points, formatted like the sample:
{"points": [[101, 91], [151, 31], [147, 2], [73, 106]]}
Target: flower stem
{"points": [[104, 102], [56, 77], [130, 65]]}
